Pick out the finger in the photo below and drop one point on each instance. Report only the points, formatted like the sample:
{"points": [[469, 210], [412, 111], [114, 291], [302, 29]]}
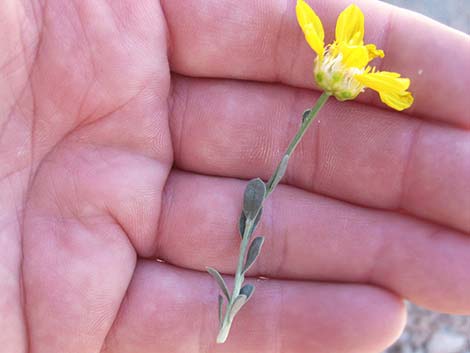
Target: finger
{"points": [[174, 310], [311, 237], [364, 155], [262, 41]]}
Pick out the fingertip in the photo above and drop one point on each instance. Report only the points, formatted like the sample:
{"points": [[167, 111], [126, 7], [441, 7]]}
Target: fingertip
{"points": [[349, 318], [388, 317]]}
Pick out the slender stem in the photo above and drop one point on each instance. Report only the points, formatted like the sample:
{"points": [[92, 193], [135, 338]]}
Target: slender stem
{"points": [[307, 121], [244, 244], [250, 223], [239, 277]]}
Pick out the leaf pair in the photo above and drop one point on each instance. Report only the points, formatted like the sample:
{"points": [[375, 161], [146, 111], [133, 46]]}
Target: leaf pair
{"points": [[246, 291], [245, 294], [253, 253]]}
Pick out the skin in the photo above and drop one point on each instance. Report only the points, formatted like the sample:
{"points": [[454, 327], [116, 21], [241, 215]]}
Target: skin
{"points": [[126, 129]]}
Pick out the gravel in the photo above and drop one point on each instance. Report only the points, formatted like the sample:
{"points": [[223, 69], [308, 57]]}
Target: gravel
{"points": [[431, 332]]}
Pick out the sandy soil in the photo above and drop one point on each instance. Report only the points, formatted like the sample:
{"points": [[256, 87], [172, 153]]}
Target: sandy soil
{"points": [[430, 332]]}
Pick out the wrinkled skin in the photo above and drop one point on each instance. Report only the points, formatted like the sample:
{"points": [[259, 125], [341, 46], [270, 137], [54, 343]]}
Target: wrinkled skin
{"points": [[124, 139]]}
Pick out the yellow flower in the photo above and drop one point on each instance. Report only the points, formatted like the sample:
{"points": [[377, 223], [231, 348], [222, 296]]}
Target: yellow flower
{"points": [[341, 68]]}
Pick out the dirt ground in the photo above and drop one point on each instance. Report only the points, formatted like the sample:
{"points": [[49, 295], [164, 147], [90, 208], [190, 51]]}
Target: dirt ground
{"points": [[430, 332]]}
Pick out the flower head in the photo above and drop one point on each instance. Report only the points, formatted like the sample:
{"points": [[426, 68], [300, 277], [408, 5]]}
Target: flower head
{"points": [[341, 68]]}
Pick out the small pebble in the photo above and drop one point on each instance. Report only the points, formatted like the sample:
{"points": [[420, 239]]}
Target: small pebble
{"points": [[406, 349], [446, 342]]}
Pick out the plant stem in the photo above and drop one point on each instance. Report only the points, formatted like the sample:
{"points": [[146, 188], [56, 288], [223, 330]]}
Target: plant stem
{"points": [[239, 277], [250, 224], [307, 121]]}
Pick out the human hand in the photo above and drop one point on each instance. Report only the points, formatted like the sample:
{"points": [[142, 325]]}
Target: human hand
{"points": [[109, 160]]}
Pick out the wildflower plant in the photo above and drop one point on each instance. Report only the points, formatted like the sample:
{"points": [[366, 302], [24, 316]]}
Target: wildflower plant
{"points": [[341, 70]]}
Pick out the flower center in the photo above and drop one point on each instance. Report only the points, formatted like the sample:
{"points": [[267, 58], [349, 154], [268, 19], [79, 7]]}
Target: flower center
{"points": [[336, 78]]}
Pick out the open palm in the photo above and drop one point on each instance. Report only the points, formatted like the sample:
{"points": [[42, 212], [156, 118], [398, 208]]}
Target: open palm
{"points": [[126, 129]]}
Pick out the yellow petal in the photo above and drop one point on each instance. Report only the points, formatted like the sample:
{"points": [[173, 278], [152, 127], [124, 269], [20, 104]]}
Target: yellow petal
{"points": [[390, 86], [350, 26], [374, 52], [354, 55], [397, 101], [311, 26], [384, 81]]}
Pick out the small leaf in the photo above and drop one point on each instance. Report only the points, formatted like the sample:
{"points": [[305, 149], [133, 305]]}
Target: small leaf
{"points": [[253, 252], [220, 281], [248, 290], [237, 305], [305, 115], [221, 302], [242, 222], [253, 198], [279, 173]]}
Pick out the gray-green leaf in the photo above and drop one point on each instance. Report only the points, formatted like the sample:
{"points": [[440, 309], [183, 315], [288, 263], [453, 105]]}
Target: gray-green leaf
{"points": [[279, 173], [248, 290], [242, 222], [253, 252], [220, 281], [221, 302], [237, 305], [305, 115], [253, 198]]}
